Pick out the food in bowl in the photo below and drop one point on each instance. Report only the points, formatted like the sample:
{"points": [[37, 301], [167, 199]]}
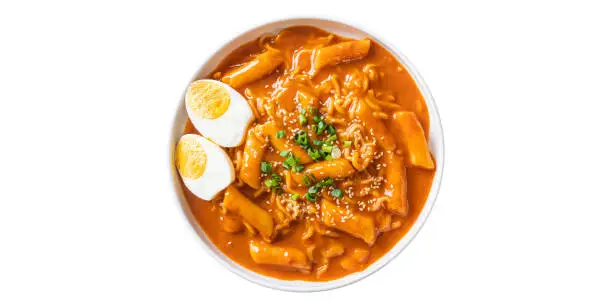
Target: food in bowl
{"points": [[330, 164]]}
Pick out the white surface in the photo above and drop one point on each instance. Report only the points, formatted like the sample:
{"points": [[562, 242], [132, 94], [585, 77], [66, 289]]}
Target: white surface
{"points": [[524, 213], [436, 144]]}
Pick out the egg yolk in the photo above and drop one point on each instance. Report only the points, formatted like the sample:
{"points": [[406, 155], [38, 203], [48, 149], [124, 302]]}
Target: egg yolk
{"points": [[190, 157], [207, 99]]}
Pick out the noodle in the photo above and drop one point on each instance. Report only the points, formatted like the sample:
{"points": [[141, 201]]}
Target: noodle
{"points": [[370, 70], [259, 192], [321, 269], [380, 115], [378, 204], [373, 101], [252, 103], [309, 232]]}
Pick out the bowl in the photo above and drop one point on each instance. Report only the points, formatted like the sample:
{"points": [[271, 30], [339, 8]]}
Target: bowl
{"points": [[436, 144]]}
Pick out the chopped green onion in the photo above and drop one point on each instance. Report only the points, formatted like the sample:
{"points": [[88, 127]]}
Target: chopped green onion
{"points": [[301, 138], [289, 162], [270, 183], [308, 179], [347, 143], [298, 168], [320, 127], [314, 189], [312, 110], [327, 182], [326, 148], [337, 193], [328, 157], [284, 153], [295, 197], [317, 142], [266, 167], [274, 181], [314, 154], [311, 197], [292, 162], [316, 119], [277, 178], [312, 177], [302, 119], [280, 134], [332, 138], [277, 190], [331, 130]]}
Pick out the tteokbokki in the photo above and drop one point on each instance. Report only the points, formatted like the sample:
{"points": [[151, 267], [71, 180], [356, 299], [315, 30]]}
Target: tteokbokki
{"points": [[305, 156]]}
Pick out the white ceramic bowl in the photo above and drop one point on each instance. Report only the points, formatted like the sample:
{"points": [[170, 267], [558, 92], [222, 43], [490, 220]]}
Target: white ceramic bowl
{"points": [[436, 144]]}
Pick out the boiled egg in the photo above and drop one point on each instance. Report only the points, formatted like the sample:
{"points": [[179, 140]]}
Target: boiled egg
{"points": [[218, 112], [204, 167]]}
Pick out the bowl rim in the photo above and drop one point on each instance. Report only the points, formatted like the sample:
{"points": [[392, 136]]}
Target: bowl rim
{"points": [[398, 248]]}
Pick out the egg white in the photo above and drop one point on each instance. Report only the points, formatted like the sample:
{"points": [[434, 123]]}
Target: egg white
{"points": [[229, 129], [218, 174]]}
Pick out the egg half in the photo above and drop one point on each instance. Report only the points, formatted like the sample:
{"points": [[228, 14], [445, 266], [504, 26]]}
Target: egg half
{"points": [[204, 167], [218, 112]]}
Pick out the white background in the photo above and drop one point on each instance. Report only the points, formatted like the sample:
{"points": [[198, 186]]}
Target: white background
{"points": [[88, 93]]}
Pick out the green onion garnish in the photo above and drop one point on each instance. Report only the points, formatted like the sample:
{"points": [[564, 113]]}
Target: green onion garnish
{"points": [[302, 119], [320, 128], [266, 167], [331, 130], [326, 148], [337, 193]]}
